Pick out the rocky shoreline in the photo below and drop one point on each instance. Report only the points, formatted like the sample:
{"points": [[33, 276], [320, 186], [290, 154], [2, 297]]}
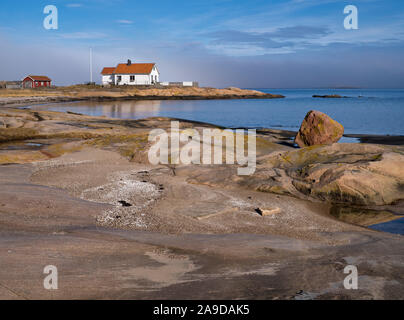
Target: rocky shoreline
{"points": [[331, 173], [23, 97], [78, 192]]}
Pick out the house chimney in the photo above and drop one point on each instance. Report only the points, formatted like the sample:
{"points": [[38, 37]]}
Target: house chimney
{"points": [[129, 62]]}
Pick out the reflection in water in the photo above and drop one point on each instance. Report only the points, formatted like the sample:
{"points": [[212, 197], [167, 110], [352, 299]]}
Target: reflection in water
{"points": [[131, 109], [374, 219], [124, 109]]}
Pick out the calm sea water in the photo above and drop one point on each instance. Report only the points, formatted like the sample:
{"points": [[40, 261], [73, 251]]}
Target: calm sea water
{"points": [[366, 111]]}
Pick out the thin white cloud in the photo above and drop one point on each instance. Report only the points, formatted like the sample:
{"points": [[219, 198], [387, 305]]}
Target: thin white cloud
{"points": [[82, 35], [124, 21], [74, 5]]}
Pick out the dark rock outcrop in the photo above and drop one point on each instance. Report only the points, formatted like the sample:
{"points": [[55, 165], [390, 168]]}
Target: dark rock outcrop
{"points": [[329, 96]]}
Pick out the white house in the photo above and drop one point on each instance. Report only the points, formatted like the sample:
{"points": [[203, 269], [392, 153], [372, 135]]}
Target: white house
{"points": [[131, 74], [108, 76]]}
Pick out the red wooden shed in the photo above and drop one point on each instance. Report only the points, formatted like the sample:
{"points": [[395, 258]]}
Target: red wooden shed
{"points": [[36, 82]]}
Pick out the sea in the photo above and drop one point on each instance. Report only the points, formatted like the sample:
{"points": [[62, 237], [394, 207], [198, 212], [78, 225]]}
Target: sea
{"points": [[363, 111]]}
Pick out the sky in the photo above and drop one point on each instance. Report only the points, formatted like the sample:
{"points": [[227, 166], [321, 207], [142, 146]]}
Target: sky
{"points": [[220, 43]]}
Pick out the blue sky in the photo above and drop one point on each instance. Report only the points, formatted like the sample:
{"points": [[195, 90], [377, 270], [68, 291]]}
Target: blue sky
{"points": [[292, 43]]}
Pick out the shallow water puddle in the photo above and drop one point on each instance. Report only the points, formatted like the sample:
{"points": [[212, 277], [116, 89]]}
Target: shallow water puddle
{"points": [[362, 216], [18, 146], [395, 226]]}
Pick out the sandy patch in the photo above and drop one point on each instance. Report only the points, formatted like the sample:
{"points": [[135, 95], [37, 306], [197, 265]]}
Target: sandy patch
{"points": [[129, 197]]}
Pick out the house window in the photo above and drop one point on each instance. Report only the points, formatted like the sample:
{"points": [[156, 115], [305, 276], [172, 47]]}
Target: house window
{"points": [[132, 78], [119, 78]]}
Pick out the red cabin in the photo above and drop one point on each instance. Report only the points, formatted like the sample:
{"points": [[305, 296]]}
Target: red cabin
{"points": [[36, 82]]}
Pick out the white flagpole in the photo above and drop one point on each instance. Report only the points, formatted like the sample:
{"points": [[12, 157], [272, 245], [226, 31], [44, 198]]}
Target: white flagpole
{"points": [[91, 65]]}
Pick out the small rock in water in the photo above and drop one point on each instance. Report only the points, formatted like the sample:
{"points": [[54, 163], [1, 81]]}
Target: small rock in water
{"points": [[335, 96]]}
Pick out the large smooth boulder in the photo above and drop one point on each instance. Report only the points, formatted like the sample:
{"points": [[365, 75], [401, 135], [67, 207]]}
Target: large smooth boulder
{"points": [[318, 129], [342, 173]]}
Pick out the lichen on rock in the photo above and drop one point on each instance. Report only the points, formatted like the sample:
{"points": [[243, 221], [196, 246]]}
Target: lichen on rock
{"points": [[317, 129]]}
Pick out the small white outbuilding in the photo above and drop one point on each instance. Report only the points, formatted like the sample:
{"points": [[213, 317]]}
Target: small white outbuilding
{"points": [[131, 74]]}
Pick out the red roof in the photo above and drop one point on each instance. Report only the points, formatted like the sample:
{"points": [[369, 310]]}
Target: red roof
{"points": [[39, 78], [108, 70], [134, 68]]}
